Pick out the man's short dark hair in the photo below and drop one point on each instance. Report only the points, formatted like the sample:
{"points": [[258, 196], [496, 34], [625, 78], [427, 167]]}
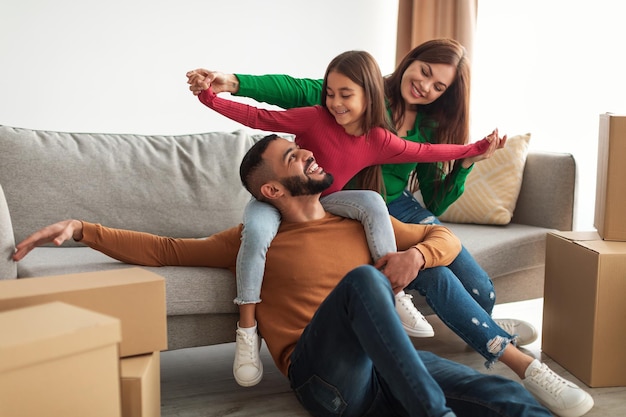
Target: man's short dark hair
{"points": [[254, 170]]}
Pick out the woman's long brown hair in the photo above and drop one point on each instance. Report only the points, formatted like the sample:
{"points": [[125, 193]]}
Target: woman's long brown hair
{"points": [[449, 114]]}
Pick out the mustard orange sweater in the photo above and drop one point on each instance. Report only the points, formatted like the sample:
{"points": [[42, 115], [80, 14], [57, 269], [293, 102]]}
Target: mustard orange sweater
{"points": [[304, 263]]}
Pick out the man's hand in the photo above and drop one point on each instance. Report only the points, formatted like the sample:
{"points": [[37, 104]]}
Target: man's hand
{"points": [[401, 267], [201, 79], [55, 233]]}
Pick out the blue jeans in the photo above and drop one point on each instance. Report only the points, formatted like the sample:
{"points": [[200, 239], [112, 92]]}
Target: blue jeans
{"points": [[463, 281], [354, 359], [261, 221]]}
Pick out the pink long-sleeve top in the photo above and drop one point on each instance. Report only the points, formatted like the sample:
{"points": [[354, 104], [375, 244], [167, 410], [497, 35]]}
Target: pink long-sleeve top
{"points": [[335, 150]]}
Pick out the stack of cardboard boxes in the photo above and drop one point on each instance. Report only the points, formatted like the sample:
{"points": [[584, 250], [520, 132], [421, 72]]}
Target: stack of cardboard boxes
{"points": [[584, 312], [82, 344]]}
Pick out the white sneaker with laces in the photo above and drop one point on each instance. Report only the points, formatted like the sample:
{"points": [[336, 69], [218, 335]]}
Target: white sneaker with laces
{"points": [[414, 323], [247, 368], [561, 396], [526, 332]]}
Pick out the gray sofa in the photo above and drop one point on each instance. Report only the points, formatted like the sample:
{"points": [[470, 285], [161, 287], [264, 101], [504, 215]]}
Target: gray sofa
{"points": [[188, 186]]}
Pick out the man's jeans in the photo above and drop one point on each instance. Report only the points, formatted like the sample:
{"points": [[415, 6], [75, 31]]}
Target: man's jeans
{"points": [[354, 359]]}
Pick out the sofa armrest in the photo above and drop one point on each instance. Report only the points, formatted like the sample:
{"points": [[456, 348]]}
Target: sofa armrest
{"points": [[8, 268], [546, 198]]}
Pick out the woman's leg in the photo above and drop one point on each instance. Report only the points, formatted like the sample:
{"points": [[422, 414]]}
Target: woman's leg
{"points": [[475, 280], [463, 315], [370, 209], [460, 312]]}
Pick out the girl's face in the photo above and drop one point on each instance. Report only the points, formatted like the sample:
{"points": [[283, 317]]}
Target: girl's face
{"points": [[423, 82], [346, 102]]}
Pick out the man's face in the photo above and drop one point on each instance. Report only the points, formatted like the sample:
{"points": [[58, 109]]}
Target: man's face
{"points": [[296, 168]]}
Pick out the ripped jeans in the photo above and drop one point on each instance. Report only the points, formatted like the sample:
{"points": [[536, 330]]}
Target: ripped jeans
{"points": [[461, 294], [354, 359]]}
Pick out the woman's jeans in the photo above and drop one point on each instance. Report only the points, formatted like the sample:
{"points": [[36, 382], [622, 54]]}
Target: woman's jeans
{"points": [[468, 314], [355, 359], [261, 221]]}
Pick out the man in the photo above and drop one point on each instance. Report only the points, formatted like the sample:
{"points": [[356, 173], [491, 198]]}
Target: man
{"points": [[327, 315]]}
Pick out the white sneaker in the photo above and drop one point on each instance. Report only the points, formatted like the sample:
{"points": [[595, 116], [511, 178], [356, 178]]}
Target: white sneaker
{"points": [[247, 368], [561, 396], [413, 321], [525, 331]]}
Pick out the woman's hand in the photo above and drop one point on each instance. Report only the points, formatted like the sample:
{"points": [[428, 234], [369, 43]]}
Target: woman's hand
{"points": [[56, 233], [496, 142], [201, 79]]}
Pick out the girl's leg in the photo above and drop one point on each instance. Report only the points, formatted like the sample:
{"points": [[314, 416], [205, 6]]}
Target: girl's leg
{"points": [[261, 223], [369, 208]]}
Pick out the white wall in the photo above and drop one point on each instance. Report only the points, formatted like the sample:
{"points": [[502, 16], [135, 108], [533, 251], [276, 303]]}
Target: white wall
{"points": [[119, 65], [551, 68]]}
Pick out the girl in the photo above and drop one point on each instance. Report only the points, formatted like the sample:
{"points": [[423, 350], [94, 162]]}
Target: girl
{"points": [[346, 134]]}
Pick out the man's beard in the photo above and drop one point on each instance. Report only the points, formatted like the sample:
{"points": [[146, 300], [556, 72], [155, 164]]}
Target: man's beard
{"points": [[298, 186]]}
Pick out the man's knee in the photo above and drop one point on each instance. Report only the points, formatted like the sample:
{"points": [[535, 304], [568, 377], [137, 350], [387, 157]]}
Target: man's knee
{"points": [[368, 277]]}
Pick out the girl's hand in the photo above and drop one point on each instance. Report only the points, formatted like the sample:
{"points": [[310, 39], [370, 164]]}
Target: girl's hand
{"points": [[201, 79], [496, 142]]}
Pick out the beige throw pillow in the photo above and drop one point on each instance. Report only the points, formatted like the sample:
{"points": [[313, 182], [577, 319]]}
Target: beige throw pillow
{"points": [[492, 188]]}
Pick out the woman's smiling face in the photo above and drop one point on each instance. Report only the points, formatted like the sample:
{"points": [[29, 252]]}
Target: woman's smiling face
{"points": [[423, 82]]}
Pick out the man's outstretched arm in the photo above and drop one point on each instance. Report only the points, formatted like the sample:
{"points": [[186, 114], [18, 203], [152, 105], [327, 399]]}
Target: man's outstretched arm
{"points": [[139, 248]]}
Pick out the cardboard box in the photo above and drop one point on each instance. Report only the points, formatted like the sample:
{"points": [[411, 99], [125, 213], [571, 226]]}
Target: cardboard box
{"points": [[133, 295], [610, 212], [141, 385], [584, 307], [59, 360]]}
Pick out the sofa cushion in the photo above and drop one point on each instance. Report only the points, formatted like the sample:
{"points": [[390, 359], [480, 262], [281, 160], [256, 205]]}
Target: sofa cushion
{"points": [[137, 182], [189, 290], [492, 188], [503, 250], [8, 268]]}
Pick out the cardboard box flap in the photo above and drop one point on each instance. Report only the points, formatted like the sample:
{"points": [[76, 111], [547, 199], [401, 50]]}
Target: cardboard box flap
{"points": [[31, 287], [52, 330], [593, 241], [577, 236]]}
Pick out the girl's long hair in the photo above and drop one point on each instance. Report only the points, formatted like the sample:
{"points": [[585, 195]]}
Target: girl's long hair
{"points": [[448, 116], [363, 70]]}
